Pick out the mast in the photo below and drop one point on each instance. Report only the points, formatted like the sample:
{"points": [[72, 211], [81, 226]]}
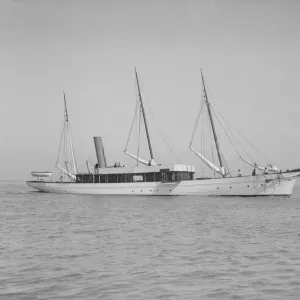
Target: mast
{"points": [[144, 117], [69, 131], [212, 124]]}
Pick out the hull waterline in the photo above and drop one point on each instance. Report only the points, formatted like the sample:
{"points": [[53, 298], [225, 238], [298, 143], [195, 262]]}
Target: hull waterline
{"points": [[260, 185]]}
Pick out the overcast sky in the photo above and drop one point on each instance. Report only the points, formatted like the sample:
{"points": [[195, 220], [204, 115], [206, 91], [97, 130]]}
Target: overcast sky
{"points": [[248, 50]]}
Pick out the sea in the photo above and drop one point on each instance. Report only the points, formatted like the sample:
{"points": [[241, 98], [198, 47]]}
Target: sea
{"points": [[60, 246]]}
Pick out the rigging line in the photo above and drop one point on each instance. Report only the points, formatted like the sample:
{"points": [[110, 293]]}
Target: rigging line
{"points": [[222, 155], [155, 122], [237, 141], [158, 127], [211, 139], [202, 142], [228, 127], [71, 148], [216, 116], [244, 138], [212, 122], [64, 151], [197, 119], [144, 117], [139, 135], [243, 135], [292, 142], [60, 143], [213, 107], [239, 144], [226, 163], [209, 92], [240, 134], [132, 123]]}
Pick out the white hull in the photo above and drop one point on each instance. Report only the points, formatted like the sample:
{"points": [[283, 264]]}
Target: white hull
{"points": [[260, 185]]}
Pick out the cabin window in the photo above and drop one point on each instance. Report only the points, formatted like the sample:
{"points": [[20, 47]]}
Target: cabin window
{"points": [[87, 178], [186, 176], [177, 176], [121, 178], [157, 177], [79, 178], [149, 177], [137, 178], [112, 178], [96, 178], [129, 178], [169, 177]]}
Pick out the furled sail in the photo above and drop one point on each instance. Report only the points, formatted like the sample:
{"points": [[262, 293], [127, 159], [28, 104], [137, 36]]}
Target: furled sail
{"points": [[272, 168], [212, 166], [71, 176], [269, 168], [141, 160], [252, 164]]}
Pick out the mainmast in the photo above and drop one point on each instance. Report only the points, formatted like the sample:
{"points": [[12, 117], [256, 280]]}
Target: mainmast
{"points": [[212, 125], [145, 120]]}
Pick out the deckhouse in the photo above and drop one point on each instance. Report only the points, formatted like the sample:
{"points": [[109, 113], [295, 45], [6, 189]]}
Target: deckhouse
{"points": [[119, 174]]}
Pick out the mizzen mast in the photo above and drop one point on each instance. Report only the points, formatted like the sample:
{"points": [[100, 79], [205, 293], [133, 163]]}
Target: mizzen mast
{"points": [[212, 125], [70, 136], [66, 135]]}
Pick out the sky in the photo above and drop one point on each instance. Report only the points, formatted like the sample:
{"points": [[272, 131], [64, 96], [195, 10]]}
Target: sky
{"points": [[248, 51]]}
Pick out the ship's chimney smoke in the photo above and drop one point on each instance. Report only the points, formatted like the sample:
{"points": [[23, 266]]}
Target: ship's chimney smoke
{"points": [[100, 152]]}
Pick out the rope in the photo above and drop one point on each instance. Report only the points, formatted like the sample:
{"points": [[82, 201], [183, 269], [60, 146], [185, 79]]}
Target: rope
{"points": [[237, 141], [245, 139], [229, 124], [139, 136], [159, 129], [226, 133], [132, 123], [61, 138], [292, 142], [197, 120], [152, 116], [228, 127], [212, 149], [202, 144]]}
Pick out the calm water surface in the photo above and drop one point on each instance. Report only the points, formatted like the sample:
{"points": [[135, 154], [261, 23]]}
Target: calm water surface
{"points": [[111, 247]]}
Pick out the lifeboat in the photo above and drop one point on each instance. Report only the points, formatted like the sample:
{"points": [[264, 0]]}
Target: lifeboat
{"points": [[41, 174]]}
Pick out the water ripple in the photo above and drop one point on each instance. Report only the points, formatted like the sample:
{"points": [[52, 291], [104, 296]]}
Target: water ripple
{"points": [[91, 247]]}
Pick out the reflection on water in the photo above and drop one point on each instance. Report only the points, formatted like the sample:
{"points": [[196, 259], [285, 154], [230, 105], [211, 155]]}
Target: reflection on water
{"points": [[111, 247]]}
